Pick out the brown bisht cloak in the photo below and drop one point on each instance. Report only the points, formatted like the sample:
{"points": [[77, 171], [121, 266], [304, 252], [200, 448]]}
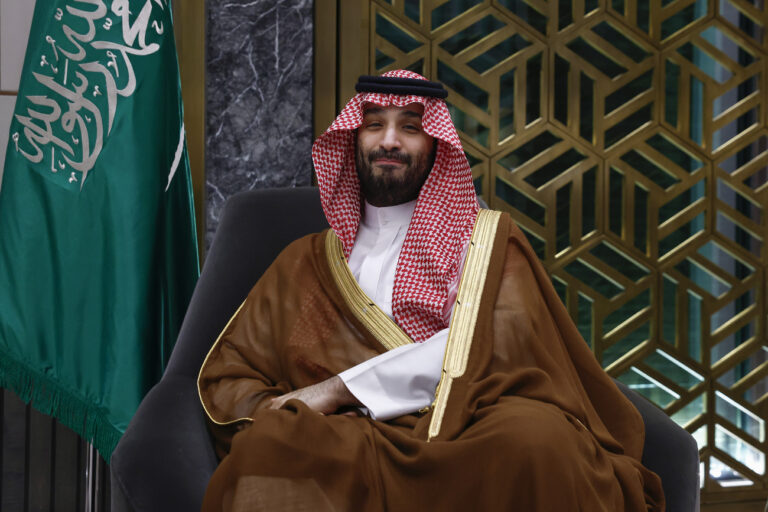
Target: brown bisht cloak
{"points": [[524, 417]]}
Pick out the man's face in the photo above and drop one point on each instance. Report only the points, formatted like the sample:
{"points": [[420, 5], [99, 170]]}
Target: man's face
{"points": [[394, 155]]}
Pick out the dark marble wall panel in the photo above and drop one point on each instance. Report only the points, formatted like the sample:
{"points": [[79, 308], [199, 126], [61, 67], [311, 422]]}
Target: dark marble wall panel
{"points": [[258, 98]]}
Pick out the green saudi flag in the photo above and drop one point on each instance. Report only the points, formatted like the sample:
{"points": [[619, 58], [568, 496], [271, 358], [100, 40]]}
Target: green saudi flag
{"points": [[98, 253]]}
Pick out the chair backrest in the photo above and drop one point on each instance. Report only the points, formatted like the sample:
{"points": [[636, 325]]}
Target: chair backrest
{"points": [[254, 227]]}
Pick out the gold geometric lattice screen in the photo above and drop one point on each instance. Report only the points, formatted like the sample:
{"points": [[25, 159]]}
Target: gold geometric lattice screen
{"points": [[629, 141]]}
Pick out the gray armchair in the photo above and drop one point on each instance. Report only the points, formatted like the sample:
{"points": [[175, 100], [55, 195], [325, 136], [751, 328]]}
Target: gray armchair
{"points": [[165, 459]]}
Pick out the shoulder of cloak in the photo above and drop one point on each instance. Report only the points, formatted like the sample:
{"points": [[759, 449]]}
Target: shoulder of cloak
{"points": [[620, 418]]}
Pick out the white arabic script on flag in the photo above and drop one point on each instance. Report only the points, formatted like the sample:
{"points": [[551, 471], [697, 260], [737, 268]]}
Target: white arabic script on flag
{"points": [[85, 66]]}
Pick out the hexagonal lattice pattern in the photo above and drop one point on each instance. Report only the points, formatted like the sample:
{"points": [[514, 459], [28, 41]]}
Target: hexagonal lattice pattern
{"points": [[629, 141]]}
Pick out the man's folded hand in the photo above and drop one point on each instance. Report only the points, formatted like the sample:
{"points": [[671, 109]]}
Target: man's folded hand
{"points": [[325, 397]]}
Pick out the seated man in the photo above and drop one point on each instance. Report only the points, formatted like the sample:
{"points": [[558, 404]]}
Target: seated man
{"points": [[437, 321]]}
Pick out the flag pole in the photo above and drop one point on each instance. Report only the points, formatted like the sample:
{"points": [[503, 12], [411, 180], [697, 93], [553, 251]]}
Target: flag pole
{"points": [[89, 480], [93, 484]]}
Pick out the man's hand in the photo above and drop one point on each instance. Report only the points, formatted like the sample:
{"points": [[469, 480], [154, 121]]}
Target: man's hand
{"points": [[325, 397]]}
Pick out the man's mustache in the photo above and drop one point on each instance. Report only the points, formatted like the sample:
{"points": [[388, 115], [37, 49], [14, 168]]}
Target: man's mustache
{"points": [[389, 155]]}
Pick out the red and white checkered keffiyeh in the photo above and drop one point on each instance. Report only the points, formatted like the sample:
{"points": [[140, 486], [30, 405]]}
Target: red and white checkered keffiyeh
{"points": [[442, 222]]}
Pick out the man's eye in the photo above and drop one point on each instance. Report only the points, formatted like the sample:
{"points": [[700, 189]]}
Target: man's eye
{"points": [[412, 128], [373, 124]]}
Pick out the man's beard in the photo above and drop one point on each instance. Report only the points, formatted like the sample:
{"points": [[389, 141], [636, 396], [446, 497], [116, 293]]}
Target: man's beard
{"points": [[386, 189]]}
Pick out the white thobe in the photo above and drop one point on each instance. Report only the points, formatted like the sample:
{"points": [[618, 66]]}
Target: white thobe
{"points": [[402, 380]]}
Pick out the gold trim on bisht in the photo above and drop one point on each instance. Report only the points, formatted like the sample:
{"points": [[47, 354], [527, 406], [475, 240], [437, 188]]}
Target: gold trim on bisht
{"points": [[386, 331], [465, 312], [199, 393]]}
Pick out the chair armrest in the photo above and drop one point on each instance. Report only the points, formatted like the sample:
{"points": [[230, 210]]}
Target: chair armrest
{"points": [[670, 452], [165, 458]]}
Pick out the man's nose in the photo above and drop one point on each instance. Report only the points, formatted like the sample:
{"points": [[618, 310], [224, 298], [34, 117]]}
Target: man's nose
{"points": [[391, 140]]}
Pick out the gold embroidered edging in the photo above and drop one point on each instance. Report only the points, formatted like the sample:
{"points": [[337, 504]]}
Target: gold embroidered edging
{"points": [[465, 312], [387, 332], [199, 393]]}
